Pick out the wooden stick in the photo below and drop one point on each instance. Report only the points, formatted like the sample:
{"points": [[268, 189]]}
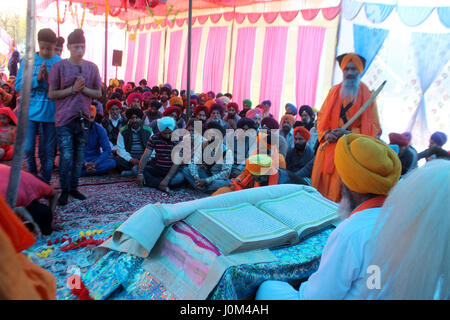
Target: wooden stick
{"points": [[359, 112]]}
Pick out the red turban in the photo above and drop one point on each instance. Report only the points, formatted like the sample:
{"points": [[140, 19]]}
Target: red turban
{"points": [[126, 87], [271, 123], [113, 102], [398, 139], [303, 132], [234, 105], [201, 108], [132, 96], [193, 102], [171, 110], [8, 112]]}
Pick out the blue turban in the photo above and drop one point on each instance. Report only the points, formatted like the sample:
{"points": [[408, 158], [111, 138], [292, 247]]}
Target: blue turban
{"points": [[439, 138], [166, 123], [167, 85], [195, 97], [267, 102], [292, 108]]}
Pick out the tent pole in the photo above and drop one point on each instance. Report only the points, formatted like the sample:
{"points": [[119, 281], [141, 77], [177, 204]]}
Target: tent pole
{"points": [[188, 85], [105, 72], [19, 144]]}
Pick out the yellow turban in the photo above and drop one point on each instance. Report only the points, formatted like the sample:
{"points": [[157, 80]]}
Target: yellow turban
{"points": [[260, 164], [176, 100], [366, 165]]}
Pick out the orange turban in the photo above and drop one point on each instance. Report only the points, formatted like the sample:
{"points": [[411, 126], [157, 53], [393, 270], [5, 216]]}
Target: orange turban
{"points": [[289, 117], [366, 165], [93, 110], [209, 104], [357, 60], [303, 132]]}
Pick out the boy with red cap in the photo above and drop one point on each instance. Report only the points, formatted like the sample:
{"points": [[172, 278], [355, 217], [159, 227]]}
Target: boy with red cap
{"points": [[8, 122]]}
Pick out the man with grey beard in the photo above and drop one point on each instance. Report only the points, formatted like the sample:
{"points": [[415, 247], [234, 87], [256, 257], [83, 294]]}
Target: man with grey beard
{"points": [[342, 102], [369, 169]]}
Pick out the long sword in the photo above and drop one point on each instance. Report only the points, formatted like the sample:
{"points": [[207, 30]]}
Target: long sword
{"points": [[359, 112]]}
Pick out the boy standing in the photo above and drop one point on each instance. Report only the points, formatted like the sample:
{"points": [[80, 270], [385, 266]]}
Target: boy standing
{"points": [[74, 82], [41, 115]]}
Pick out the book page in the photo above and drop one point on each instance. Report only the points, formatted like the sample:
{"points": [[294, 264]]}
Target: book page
{"points": [[299, 210], [246, 222]]}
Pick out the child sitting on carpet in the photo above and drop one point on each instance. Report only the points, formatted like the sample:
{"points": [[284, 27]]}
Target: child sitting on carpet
{"points": [[8, 121]]}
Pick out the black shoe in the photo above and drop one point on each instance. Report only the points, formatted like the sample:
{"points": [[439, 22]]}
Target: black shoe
{"points": [[62, 201], [77, 195]]}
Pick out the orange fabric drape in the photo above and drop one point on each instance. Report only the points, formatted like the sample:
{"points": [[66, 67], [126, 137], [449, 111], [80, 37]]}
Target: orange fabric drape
{"points": [[20, 278], [324, 176]]}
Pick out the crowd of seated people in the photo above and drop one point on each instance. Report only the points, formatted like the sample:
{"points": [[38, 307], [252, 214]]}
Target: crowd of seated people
{"points": [[139, 132], [216, 145], [125, 137]]}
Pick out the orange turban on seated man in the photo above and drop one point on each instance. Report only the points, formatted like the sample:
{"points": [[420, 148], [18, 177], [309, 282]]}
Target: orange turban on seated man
{"points": [[366, 165], [260, 164]]}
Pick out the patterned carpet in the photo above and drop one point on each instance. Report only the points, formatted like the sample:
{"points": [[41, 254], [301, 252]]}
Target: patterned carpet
{"points": [[111, 199]]}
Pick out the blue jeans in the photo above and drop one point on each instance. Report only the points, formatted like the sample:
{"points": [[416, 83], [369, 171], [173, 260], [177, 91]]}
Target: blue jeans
{"points": [[153, 177], [102, 168], [207, 188], [72, 141], [47, 143]]}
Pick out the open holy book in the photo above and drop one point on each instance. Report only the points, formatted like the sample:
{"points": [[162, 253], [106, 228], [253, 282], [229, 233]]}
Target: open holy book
{"points": [[266, 224]]}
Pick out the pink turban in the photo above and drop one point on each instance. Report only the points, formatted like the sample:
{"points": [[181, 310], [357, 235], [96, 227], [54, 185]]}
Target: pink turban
{"points": [[253, 112]]}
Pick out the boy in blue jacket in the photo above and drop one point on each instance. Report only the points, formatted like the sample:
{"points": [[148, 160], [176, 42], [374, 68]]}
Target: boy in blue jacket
{"points": [[41, 115]]}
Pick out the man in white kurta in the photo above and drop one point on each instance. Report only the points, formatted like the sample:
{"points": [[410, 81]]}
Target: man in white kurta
{"points": [[343, 271]]}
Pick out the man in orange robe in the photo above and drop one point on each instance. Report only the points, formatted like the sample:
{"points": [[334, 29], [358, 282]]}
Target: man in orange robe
{"points": [[20, 279], [342, 102]]}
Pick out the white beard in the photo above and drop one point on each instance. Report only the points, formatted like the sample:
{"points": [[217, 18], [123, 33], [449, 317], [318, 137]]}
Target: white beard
{"points": [[344, 209], [349, 89], [346, 206]]}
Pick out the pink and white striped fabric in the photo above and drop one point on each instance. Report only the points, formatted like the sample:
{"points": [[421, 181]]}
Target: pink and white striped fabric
{"points": [[273, 67], [153, 58], [140, 71], [129, 76], [195, 48], [214, 60], [309, 52], [174, 56], [245, 51]]}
